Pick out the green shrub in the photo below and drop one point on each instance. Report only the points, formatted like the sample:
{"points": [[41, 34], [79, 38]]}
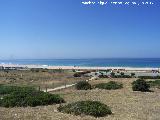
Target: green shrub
{"points": [[122, 73], [73, 70], [133, 74], [77, 75], [149, 77], [140, 85], [9, 89], [112, 74], [155, 83], [35, 69], [83, 85], [103, 76], [28, 97], [93, 108], [122, 76], [109, 86]]}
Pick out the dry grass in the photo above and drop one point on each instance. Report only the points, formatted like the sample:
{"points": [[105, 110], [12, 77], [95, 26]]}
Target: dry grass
{"points": [[125, 105], [49, 79]]}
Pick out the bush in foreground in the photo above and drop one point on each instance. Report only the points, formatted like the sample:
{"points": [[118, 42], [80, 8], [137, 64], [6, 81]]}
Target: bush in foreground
{"points": [[29, 97], [93, 108], [155, 83], [83, 85], [109, 86], [140, 85], [5, 89]]}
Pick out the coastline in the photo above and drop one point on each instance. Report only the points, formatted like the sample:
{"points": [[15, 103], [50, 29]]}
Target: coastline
{"points": [[101, 62], [82, 67]]}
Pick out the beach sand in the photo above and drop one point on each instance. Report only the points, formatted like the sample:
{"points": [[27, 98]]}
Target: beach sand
{"points": [[82, 67]]}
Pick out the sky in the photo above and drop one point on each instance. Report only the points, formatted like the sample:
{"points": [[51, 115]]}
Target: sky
{"points": [[48, 29]]}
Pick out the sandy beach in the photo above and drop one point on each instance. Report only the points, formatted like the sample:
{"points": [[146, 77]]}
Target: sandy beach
{"points": [[82, 67]]}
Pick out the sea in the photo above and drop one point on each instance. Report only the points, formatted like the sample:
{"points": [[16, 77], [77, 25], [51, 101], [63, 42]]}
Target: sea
{"points": [[105, 62]]}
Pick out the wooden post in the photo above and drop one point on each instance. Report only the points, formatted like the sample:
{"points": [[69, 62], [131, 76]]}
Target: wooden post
{"points": [[46, 88], [39, 88], [65, 83]]}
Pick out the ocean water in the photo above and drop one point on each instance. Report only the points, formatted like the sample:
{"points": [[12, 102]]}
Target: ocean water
{"points": [[110, 62]]}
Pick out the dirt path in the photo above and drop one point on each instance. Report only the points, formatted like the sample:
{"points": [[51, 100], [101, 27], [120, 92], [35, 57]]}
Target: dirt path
{"points": [[66, 86]]}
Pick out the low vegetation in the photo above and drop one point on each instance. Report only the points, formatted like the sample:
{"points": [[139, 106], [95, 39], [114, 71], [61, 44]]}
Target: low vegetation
{"points": [[112, 85], [122, 73], [80, 74], [155, 83], [35, 70], [77, 75], [112, 74], [43, 78], [149, 77], [93, 108], [83, 85], [122, 76], [133, 74], [140, 85], [103, 76], [9, 89], [26, 96]]}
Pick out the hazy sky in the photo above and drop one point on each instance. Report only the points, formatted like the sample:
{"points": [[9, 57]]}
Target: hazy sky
{"points": [[69, 29]]}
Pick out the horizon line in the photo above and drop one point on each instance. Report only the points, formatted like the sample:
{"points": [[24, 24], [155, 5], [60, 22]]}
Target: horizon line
{"points": [[82, 58]]}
